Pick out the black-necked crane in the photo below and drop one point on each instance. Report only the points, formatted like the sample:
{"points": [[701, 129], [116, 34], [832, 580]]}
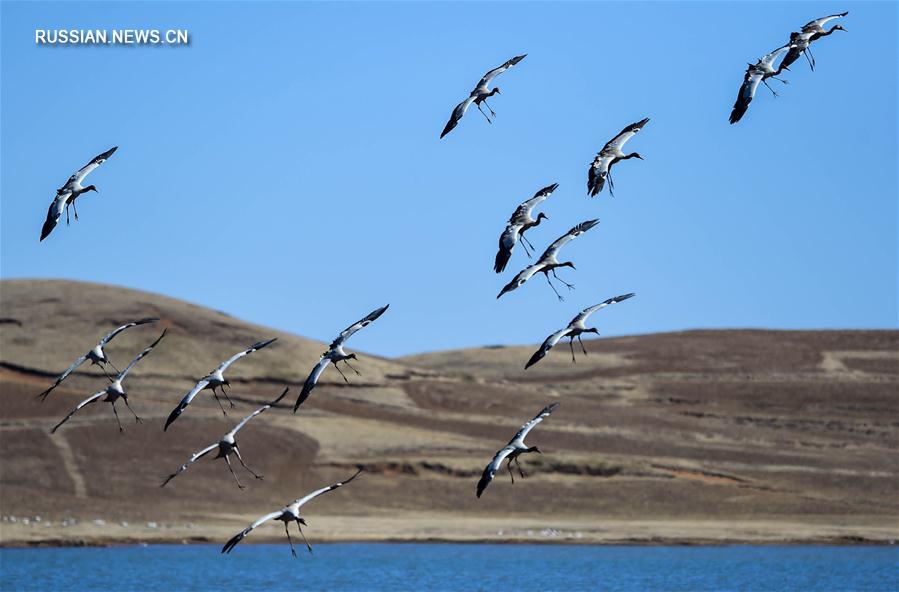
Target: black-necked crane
{"points": [[548, 261], [96, 355], [511, 451], [521, 221], [611, 153], [72, 190], [287, 514], [800, 42], [479, 95], [212, 381], [756, 73], [575, 329], [114, 391], [226, 446], [336, 354]]}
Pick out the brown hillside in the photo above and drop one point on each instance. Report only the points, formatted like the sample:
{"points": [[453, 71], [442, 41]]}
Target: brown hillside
{"points": [[696, 436]]}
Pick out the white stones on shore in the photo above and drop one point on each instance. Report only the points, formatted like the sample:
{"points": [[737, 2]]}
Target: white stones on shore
{"points": [[27, 520]]}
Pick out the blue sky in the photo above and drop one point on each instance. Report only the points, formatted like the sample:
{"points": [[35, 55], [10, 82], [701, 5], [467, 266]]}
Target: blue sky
{"points": [[286, 168]]}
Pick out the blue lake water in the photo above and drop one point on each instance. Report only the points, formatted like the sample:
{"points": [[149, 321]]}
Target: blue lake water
{"points": [[451, 567]]}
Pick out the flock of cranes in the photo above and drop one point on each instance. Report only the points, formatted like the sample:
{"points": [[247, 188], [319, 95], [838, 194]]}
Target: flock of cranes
{"points": [[522, 220], [800, 43]]}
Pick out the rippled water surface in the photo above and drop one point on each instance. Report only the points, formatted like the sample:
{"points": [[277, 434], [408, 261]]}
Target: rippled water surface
{"points": [[451, 567]]}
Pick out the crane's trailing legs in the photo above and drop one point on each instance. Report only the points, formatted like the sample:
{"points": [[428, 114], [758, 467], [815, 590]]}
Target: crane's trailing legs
{"points": [[290, 540], [352, 368], [810, 60], [128, 405], [569, 286], [308, 546], [224, 394], [549, 281], [230, 468], [482, 113], [114, 410], [342, 374], [526, 243], [219, 401], [240, 458]]}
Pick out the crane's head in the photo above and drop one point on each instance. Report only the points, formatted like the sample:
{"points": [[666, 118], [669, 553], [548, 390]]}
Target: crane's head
{"points": [[541, 216], [301, 521], [534, 449], [837, 28], [352, 357], [635, 155], [495, 91], [568, 264], [226, 382], [592, 330], [90, 188]]}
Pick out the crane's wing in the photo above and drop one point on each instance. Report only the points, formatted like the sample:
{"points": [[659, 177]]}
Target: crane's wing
{"points": [[185, 401], [747, 91], [798, 43], [94, 163], [243, 533], [112, 334], [520, 278], [489, 76], [54, 213], [623, 136], [822, 21], [300, 501], [458, 112], [544, 413], [507, 242], [568, 236], [769, 58], [62, 377], [526, 206], [141, 355], [364, 322], [491, 469], [311, 381], [256, 346], [548, 343], [244, 421], [83, 403], [190, 461], [582, 316]]}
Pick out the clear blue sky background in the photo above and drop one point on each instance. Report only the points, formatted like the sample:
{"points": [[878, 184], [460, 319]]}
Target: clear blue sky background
{"points": [[286, 167]]}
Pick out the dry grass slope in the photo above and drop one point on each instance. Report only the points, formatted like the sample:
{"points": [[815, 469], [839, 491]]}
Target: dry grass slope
{"points": [[710, 436]]}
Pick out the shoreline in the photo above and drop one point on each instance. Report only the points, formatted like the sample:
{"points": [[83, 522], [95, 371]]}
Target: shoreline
{"points": [[437, 528], [844, 541]]}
